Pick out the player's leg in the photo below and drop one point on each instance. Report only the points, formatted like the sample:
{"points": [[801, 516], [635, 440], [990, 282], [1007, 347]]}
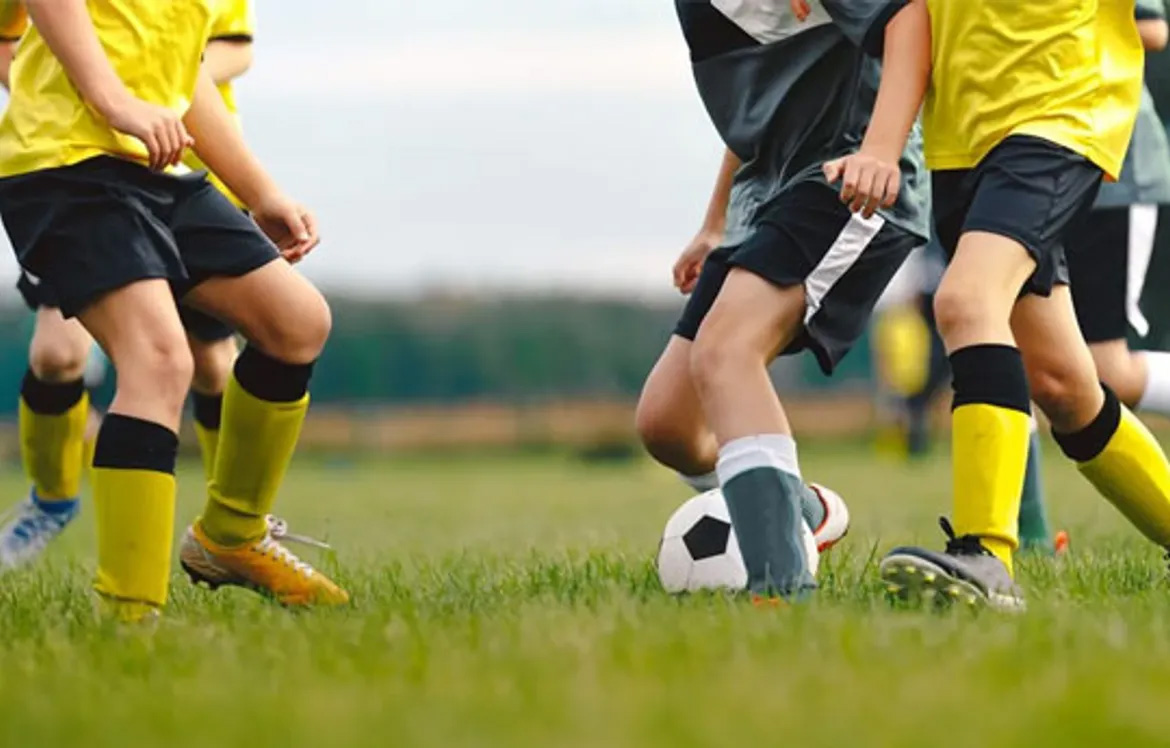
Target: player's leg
{"points": [[810, 279], [670, 421], [52, 420], [1111, 447], [673, 427], [213, 347], [239, 278], [134, 458], [751, 322]]}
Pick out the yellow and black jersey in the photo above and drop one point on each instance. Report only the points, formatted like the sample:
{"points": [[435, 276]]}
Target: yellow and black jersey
{"points": [[1068, 71], [156, 49]]}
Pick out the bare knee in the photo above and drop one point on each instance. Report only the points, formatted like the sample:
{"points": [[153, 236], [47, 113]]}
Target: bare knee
{"points": [[296, 338], [963, 314], [60, 355], [213, 363], [1067, 394], [157, 369], [672, 438]]}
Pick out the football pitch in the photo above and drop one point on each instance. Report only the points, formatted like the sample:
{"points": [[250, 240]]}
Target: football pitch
{"points": [[512, 601]]}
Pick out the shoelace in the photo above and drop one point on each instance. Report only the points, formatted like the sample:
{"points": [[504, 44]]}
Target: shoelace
{"points": [[31, 526], [966, 545], [270, 545]]}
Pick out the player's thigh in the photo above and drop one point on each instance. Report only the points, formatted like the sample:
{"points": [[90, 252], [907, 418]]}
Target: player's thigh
{"points": [[237, 276], [273, 306], [753, 316], [59, 348], [138, 327]]}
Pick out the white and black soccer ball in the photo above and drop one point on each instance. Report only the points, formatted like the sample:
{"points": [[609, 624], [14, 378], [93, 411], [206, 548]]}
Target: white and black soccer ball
{"points": [[699, 550]]}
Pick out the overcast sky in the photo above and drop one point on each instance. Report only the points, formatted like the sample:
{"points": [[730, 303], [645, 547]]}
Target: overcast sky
{"points": [[518, 143]]}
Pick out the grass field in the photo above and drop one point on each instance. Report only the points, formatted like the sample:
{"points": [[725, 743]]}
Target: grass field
{"points": [[512, 602]]}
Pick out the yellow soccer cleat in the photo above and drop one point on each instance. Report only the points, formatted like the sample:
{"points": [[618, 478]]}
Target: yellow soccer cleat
{"points": [[264, 566]]}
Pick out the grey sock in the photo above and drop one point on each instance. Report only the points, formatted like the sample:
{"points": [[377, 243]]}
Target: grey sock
{"points": [[765, 511], [811, 507]]}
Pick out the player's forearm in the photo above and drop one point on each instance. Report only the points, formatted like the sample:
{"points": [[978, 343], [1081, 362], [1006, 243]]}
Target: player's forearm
{"points": [[225, 60], [905, 76], [720, 198], [220, 144], [1155, 34], [69, 33]]}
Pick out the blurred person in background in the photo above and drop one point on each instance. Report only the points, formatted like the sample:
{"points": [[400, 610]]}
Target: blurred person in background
{"points": [[58, 426]]}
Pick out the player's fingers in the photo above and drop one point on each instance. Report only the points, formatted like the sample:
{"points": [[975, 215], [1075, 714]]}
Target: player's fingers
{"points": [[166, 143], [849, 181], [153, 149], [865, 182], [893, 185], [832, 170]]}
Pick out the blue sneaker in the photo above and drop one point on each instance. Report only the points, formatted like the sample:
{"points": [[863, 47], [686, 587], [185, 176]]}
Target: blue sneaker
{"points": [[28, 528]]}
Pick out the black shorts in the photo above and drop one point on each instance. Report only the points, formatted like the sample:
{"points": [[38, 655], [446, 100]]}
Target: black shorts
{"points": [[84, 230], [808, 237], [1107, 261], [199, 325], [1027, 189]]}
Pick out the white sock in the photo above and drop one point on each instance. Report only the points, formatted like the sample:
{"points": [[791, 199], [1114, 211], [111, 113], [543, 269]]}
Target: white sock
{"points": [[750, 452], [1156, 398], [702, 483]]}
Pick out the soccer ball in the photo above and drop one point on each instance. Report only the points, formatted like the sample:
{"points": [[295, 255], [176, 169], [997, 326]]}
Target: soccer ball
{"points": [[699, 549]]}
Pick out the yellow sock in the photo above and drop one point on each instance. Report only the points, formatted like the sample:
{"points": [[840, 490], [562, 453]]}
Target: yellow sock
{"points": [[990, 455], [52, 449], [256, 443], [134, 506], [1133, 473], [903, 343], [135, 515], [208, 444]]}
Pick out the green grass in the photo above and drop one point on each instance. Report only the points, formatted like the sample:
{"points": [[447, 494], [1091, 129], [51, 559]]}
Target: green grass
{"points": [[512, 602]]}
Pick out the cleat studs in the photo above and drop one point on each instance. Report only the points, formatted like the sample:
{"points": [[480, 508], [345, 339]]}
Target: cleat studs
{"points": [[929, 577], [953, 590], [910, 570]]}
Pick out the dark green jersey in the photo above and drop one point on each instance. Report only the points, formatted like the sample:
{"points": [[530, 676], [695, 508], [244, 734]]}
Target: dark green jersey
{"points": [[786, 96]]}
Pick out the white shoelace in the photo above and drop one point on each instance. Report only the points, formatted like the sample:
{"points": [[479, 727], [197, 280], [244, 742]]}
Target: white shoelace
{"points": [[270, 545]]}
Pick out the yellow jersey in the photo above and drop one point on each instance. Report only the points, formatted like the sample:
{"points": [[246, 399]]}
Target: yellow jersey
{"points": [[235, 20], [155, 48], [13, 20], [1068, 71]]}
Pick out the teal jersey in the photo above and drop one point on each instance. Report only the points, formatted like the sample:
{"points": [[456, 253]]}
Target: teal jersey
{"points": [[1145, 174]]}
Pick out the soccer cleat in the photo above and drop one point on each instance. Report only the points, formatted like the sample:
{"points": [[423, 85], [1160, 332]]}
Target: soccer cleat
{"points": [[264, 566], [966, 572], [28, 529], [835, 525]]}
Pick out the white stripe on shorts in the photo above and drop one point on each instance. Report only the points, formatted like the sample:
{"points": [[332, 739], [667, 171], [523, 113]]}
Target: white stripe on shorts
{"points": [[848, 246], [1143, 223]]}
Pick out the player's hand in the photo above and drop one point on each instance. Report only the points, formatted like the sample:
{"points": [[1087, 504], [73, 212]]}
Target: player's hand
{"points": [[690, 263], [290, 225], [800, 9], [159, 129], [867, 182]]}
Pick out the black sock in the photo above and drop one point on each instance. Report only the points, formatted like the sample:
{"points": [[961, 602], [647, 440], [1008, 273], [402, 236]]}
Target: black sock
{"points": [[208, 409], [267, 378], [50, 398]]}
